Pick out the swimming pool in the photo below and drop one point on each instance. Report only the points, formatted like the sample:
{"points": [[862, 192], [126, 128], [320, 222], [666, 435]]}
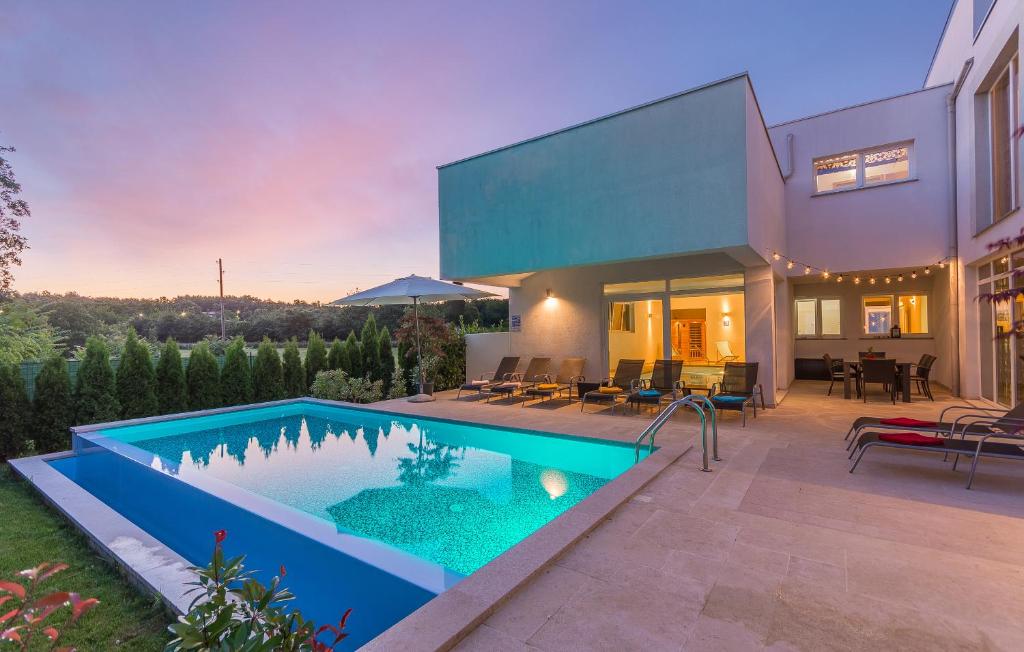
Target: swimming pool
{"points": [[376, 511]]}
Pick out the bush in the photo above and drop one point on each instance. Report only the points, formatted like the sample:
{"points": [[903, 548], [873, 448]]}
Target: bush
{"points": [[25, 334], [136, 380], [369, 348], [316, 358], [53, 409], [407, 364], [336, 356], [14, 415], [336, 385], [171, 390], [354, 356], [267, 379], [236, 377], [28, 609], [387, 360], [95, 391], [203, 379], [293, 375], [439, 340]]}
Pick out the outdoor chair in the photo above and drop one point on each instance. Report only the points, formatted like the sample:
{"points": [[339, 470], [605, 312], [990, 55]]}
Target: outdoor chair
{"points": [[737, 389], [625, 381], [968, 420], [835, 371], [570, 374], [878, 370], [503, 373], [666, 381], [536, 372], [725, 353], [920, 374]]}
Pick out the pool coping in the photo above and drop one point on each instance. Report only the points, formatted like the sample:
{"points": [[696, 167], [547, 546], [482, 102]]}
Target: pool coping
{"points": [[439, 624]]}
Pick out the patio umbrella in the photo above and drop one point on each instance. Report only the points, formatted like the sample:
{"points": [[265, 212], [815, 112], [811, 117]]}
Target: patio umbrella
{"points": [[415, 290]]}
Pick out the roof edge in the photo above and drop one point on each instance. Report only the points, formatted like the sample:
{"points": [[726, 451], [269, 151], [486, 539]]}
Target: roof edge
{"points": [[938, 45], [860, 104]]}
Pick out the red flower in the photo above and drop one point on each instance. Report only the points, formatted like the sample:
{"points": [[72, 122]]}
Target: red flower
{"points": [[220, 535], [283, 571]]}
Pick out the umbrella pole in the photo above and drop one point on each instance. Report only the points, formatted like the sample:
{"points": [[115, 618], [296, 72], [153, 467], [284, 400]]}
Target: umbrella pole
{"points": [[419, 358]]}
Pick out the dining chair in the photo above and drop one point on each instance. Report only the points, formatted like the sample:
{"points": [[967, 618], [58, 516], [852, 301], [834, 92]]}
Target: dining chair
{"points": [[834, 366], [875, 370]]}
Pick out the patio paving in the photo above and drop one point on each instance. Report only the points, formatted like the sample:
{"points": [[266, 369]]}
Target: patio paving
{"points": [[780, 547]]}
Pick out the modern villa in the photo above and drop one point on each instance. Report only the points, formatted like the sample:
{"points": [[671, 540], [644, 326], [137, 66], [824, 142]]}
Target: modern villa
{"points": [[687, 228]]}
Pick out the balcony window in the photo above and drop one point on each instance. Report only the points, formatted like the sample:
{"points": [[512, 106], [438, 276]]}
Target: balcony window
{"points": [[1003, 111], [869, 167]]}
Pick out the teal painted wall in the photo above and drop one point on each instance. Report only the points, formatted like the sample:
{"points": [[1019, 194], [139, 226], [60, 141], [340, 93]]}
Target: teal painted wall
{"points": [[663, 179]]}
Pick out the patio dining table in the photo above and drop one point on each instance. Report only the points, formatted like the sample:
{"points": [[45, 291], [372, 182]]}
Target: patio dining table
{"points": [[902, 377]]}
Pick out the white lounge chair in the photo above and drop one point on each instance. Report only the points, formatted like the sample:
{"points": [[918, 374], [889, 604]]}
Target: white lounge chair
{"points": [[725, 353]]}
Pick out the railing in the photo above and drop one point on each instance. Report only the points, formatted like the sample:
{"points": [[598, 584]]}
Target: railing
{"points": [[703, 407]]}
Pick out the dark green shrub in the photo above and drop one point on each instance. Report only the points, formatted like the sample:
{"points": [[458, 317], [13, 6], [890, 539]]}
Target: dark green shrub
{"points": [[336, 385], [171, 390], [387, 360], [293, 375], [203, 379], [95, 389], [354, 356], [406, 364], [14, 411], [53, 408], [135, 380], [236, 376], [335, 357], [316, 357], [267, 379], [369, 347]]}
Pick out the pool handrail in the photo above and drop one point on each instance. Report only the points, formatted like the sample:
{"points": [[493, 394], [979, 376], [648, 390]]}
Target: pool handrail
{"points": [[703, 406]]}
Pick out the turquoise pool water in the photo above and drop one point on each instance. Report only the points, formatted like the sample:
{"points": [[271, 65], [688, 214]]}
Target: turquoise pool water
{"points": [[451, 493]]}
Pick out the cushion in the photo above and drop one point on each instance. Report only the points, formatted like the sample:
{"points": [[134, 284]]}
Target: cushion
{"points": [[547, 386], [479, 382], [730, 399], [907, 422], [649, 393], [910, 439], [610, 390]]}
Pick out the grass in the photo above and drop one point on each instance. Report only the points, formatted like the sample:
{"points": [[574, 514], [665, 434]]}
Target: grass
{"points": [[32, 533]]}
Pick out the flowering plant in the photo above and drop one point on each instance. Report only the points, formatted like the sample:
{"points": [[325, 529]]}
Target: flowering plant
{"points": [[30, 620], [232, 610]]}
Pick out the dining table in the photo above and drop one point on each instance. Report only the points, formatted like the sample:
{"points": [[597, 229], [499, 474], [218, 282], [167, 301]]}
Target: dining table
{"points": [[850, 369]]}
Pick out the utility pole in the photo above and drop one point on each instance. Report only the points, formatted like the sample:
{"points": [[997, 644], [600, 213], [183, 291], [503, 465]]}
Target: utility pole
{"points": [[220, 274]]}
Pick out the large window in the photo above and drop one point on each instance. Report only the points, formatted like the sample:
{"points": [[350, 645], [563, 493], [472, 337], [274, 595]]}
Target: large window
{"points": [[877, 315], [908, 311], [818, 318], [869, 167], [1003, 112]]}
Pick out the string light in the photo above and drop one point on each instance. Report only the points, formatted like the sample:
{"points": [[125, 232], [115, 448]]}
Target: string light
{"points": [[900, 278], [913, 274], [871, 280], [927, 270], [839, 279], [824, 274], [888, 280], [807, 270], [856, 280], [789, 264], [942, 264], [776, 256], [827, 275]]}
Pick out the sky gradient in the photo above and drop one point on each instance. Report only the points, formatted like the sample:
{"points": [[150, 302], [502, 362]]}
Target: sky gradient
{"points": [[299, 141]]}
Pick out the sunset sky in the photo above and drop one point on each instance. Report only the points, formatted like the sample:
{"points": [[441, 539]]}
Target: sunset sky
{"points": [[299, 140]]}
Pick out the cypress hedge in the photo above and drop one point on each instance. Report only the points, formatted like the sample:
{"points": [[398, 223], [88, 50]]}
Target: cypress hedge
{"points": [[95, 390], [335, 357], [293, 375], [171, 390], [136, 380], [267, 379], [203, 379], [354, 356], [52, 409], [370, 348], [236, 377], [316, 357], [387, 360], [14, 415]]}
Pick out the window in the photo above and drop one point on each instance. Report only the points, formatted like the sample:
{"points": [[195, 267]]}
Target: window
{"points": [[913, 314], [817, 318], [1002, 101], [909, 311], [877, 315], [621, 316], [869, 167]]}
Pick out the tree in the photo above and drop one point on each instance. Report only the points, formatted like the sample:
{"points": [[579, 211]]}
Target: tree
{"points": [[52, 409], [336, 356], [95, 391], [355, 356], [370, 348], [203, 379], [12, 210], [293, 375], [316, 357], [171, 390], [267, 378], [136, 382], [236, 377], [14, 417], [387, 360]]}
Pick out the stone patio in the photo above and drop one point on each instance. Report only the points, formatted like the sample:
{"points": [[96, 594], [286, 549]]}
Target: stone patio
{"points": [[779, 547]]}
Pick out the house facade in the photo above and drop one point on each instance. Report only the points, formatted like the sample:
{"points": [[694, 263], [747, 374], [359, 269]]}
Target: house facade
{"points": [[687, 228]]}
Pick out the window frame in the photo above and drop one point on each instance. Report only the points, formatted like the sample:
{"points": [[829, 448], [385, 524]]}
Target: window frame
{"points": [[894, 313], [818, 335], [861, 183], [1011, 71]]}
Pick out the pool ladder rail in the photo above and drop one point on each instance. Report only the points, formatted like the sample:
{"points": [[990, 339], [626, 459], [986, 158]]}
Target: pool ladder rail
{"points": [[704, 407]]}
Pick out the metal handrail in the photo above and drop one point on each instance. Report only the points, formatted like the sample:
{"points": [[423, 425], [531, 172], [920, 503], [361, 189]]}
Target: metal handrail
{"points": [[700, 404]]}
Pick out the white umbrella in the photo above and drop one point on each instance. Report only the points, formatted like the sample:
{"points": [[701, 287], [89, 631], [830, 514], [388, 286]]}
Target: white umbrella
{"points": [[412, 289]]}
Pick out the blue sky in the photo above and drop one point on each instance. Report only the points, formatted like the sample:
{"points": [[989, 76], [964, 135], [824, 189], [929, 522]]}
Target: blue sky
{"points": [[299, 141]]}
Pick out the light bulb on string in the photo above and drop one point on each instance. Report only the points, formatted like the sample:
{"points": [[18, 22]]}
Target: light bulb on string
{"points": [[776, 256], [824, 274], [839, 279], [807, 270], [856, 280], [927, 270], [871, 280], [942, 264], [913, 274], [900, 278], [888, 280], [789, 264]]}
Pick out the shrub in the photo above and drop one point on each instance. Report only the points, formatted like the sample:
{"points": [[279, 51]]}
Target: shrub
{"points": [[136, 380], [171, 391], [439, 340], [335, 357], [370, 349], [387, 360], [53, 409], [407, 363], [236, 377], [25, 334], [293, 375], [27, 611], [316, 358], [202, 379], [232, 610], [336, 385], [95, 391], [354, 355], [267, 380], [14, 415]]}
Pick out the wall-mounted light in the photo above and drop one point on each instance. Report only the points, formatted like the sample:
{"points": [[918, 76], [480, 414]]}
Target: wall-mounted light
{"points": [[726, 320]]}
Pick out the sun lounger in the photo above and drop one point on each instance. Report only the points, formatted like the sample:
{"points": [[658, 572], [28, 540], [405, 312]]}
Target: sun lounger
{"points": [[536, 372], [956, 419], [570, 373], [738, 388], [625, 381], [665, 382], [502, 374], [725, 353]]}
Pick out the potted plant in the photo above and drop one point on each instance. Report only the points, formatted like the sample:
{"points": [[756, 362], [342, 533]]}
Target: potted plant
{"points": [[431, 363]]}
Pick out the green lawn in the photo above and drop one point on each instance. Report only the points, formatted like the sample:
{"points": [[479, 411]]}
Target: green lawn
{"points": [[32, 533]]}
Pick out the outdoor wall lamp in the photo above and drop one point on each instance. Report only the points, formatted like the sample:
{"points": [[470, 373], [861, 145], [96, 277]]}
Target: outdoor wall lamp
{"points": [[726, 320]]}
